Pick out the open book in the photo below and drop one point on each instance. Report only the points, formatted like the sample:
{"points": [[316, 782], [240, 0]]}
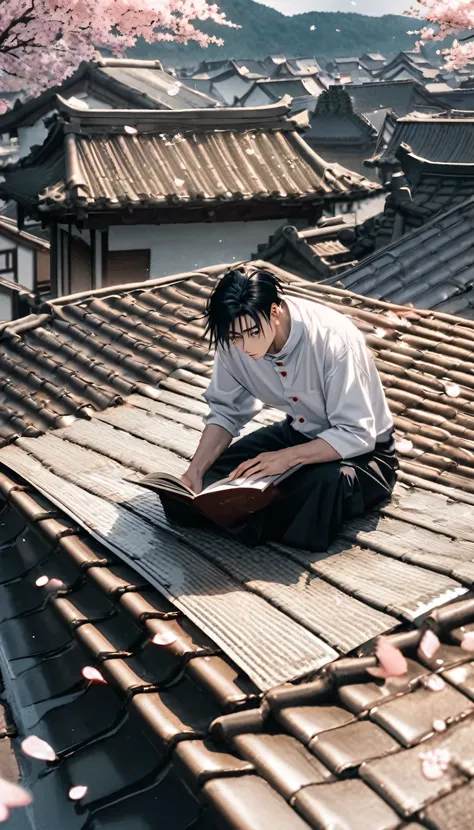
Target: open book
{"points": [[225, 502]]}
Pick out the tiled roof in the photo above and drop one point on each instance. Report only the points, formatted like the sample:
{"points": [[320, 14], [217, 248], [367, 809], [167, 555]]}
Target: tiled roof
{"points": [[276, 88], [178, 730], [9, 228], [120, 82], [113, 383], [110, 159], [445, 139], [431, 267], [313, 253], [400, 96], [334, 121]]}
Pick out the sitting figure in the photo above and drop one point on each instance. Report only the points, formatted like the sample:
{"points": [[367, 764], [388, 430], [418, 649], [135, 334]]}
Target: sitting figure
{"points": [[312, 364]]}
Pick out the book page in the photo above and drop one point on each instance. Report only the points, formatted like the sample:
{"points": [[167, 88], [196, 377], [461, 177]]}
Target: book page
{"points": [[252, 482]]}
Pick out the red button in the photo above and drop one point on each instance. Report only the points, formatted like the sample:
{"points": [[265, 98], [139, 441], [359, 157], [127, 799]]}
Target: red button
{"points": [[294, 399], [283, 374], [301, 420], [278, 363]]}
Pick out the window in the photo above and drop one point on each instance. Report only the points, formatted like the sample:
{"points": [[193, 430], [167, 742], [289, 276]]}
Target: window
{"points": [[8, 261]]}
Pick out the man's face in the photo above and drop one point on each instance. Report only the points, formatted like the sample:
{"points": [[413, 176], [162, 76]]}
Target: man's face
{"points": [[248, 339]]}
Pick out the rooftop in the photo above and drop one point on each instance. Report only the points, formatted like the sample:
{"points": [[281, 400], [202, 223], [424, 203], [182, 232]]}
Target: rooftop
{"points": [[99, 386], [9, 228], [448, 139], [431, 267], [401, 97], [335, 121], [119, 82], [113, 159]]}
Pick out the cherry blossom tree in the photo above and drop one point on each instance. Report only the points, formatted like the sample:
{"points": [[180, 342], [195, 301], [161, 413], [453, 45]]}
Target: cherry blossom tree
{"points": [[448, 18], [42, 42]]}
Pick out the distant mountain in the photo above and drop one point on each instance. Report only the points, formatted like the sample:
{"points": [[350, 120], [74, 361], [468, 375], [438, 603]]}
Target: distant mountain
{"points": [[266, 31]]}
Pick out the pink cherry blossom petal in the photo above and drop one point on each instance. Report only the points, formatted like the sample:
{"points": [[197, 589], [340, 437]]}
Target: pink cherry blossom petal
{"points": [[12, 795], [429, 645], [380, 332], [434, 683], [39, 749], [468, 641], [4, 812], [452, 390], [130, 130], [76, 793], [164, 638], [434, 763], [392, 661], [403, 445], [93, 674], [439, 725], [42, 581]]}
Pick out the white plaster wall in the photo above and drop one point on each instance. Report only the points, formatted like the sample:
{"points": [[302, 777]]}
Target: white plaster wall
{"points": [[26, 264], [25, 259], [5, 305], [177, 248]]}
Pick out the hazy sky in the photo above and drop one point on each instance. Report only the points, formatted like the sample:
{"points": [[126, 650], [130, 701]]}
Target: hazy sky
{"points": [[373, 7]]}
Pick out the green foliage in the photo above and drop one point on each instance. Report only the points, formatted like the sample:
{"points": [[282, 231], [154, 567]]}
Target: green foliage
{"points": [[265, 31]]}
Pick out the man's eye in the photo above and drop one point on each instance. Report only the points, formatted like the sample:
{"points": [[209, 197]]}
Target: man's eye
{"points": [[255, 334]]}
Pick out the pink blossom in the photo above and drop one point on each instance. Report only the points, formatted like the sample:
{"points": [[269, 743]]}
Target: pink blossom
{"points": [[429, 645], [37, 748], [12, 795], [434, 763], [449, 17], [468, 641], [164, 638], [76, 793], [392, 662], [42, 43], [92, 674]]}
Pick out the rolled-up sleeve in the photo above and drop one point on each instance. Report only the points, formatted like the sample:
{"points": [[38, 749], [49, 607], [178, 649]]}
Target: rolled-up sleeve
{"points": [[231, 405], [353, 393]]}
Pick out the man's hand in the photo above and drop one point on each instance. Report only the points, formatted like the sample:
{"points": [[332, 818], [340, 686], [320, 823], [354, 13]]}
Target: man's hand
{"points": [[266, 464], [192, 480]]}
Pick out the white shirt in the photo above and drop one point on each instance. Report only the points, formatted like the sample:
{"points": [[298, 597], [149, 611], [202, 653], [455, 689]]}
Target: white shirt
{"points": [[324, 378]]}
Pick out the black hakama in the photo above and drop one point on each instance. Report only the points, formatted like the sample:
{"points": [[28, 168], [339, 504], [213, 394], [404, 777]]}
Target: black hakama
{"points": [[314, 501]]}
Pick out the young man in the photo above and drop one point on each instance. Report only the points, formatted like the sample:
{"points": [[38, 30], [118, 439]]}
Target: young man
{"points": [[311, 363]]}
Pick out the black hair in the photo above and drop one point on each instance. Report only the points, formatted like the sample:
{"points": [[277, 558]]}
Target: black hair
{"points": [[244, 291]]}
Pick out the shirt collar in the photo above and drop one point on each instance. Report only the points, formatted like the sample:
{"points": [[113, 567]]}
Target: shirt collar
{"points": [[295, 335]]}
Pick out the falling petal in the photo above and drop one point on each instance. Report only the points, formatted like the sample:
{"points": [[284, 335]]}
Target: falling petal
{"points": [[429, 645], [76, 793], [244, 70], [312, 28], [164, 638], [434, 763], [380, 332], [130, 130], [4, 812], [11, 795], [392, 661], [338, 601], [434, 683], [403, 445], [439, 725], [174, 89], [468, 641], [179, 182], [36, 748], [91, 673], [452, 390], [250, 152], [42, 581], [338, 30]]}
